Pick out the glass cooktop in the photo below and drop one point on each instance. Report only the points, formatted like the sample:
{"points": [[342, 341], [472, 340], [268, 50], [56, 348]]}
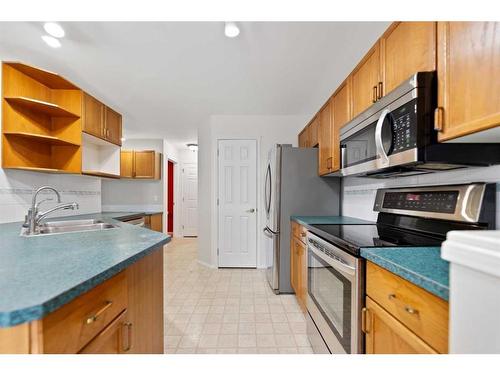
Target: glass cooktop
{"points": [[373, 235]]}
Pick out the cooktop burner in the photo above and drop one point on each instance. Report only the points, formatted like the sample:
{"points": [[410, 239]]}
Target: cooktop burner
{"points": [[355, 237]]}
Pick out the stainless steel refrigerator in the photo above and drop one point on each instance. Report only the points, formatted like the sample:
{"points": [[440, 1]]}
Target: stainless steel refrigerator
{"points": [[292, 187]]}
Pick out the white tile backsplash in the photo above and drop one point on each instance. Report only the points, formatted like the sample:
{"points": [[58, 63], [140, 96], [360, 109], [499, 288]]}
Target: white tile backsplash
{"points": [[359, 192], [16, 190]]}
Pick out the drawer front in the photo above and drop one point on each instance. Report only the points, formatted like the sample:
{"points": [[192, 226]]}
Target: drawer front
{"points": [[299, 232], [114, 339], [69, 328], [422, 312]]}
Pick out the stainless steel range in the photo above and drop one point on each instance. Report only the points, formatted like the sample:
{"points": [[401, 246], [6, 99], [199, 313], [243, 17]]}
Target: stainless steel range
{"points": [[415, 216]]}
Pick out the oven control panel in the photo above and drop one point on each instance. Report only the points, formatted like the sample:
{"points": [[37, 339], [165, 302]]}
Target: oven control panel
{"points": [[404, 132], [430, 201]]}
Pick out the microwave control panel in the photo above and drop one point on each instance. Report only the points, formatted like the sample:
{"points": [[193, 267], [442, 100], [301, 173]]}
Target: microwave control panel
{"points": [[404, 127], [430, 201]]}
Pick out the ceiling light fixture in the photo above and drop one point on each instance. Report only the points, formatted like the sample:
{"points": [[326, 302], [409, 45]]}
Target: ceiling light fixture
{"points": [[54, 29], [123, 139], [51, 41], [192, 146], [231, 30]]}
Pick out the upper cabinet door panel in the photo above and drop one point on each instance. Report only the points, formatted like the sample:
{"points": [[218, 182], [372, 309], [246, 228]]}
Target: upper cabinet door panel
{"points": [[313, 132], [113, 126], [144, 164], [407, 48], [341, 115], [325, 140], [365, 80], [468, 77], [127, 164], [92, 116], [304, 137]]}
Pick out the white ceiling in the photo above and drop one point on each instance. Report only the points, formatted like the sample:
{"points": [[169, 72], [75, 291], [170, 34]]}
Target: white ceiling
{"points": [[167, 78]]}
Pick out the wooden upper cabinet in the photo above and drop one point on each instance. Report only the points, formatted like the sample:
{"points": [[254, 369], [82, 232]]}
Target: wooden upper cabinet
{"points": [[127, 163], [468, 78], [313, 132], [386, 335], [341, 115], [365, 81], [93, 116], [145, 164], [406, 48], [113, 126], [304, 137], [325, 139]]}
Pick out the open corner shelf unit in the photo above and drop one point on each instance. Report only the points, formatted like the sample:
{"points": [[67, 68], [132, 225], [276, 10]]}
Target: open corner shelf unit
{"points": [[41, 120], [100, 158]]}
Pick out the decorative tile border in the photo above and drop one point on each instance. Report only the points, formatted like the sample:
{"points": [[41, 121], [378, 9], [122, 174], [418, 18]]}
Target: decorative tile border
{"points": [[18, 191]]}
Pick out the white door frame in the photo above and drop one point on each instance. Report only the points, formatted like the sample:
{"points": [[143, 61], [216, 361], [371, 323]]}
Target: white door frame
{"points": [[215, 252], [181, 177]]}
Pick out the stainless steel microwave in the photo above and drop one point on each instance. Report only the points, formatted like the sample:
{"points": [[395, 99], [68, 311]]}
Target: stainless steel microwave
{"points": [[396, 136]]}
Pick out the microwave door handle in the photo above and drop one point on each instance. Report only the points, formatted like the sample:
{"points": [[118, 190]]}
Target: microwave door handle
{"points": [[378, 138], [343, 149]]}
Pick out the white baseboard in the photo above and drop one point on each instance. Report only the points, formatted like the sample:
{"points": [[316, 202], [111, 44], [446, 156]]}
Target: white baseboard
{"points": [[206, 264]]}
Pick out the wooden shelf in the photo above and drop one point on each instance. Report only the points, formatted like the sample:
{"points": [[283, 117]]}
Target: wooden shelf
{"points": [[49, 79], [43, 138], [50, 109], [100, 174], [38, 169]]}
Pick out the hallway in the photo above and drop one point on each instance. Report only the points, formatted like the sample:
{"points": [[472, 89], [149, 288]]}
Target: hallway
{"points": [[226, 310]]}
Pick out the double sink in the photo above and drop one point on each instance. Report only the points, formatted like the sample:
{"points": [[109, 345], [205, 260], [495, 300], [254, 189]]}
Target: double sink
{"points": [[68, 226]]}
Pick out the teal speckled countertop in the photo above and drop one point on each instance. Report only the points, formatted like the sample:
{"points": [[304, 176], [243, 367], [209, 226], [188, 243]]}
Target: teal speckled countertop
{"points": [[311, 220], [40, 274], [422, 266]]}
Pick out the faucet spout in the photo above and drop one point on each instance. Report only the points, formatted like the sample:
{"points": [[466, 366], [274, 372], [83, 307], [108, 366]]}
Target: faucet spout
{"points": [[64, 206]]}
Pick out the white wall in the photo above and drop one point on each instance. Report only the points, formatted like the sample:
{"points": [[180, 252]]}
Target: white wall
{"points": [[267, 130], [359, 193]]}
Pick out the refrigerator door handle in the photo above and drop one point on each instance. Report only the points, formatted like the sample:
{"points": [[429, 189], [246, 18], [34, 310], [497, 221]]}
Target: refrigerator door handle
{"points": [[269, 232], [267, 190]]}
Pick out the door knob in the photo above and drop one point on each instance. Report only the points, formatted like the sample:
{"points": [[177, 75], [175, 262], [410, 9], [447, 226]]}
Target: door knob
{"points": [[252, 210]]}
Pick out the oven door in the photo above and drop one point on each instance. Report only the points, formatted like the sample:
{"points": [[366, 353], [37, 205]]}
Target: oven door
{"points": [[333, 297]]}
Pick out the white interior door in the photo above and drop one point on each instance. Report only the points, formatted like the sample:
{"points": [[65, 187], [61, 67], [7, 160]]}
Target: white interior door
{"points": [[190, 200], [237, 197]]}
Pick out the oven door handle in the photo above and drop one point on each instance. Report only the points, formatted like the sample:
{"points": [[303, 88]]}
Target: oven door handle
{"points": [[339, 266], [378, 138]]}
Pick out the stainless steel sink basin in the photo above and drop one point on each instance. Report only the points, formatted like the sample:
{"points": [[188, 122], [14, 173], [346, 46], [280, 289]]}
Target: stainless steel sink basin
{"points": [[67, 226]]}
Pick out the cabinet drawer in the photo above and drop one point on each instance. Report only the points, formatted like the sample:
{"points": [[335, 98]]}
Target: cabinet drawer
{"points": [[299, 232], [114, 339], [69, 328], [422, 312]]}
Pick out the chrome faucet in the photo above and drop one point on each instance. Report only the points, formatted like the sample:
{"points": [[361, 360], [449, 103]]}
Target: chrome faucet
{"points": [[33, 218]]}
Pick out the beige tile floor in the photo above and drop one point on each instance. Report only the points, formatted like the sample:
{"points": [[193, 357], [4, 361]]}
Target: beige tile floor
{"points": [[226, 310]]}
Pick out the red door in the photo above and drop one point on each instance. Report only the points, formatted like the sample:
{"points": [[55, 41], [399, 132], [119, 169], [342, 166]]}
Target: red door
{"points": [[170, 198]]}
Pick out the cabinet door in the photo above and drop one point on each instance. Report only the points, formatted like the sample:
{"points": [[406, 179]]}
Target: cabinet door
{"points": [[365, 79], [304, 137], [386, 335], [325, 140], [156, 222], [313, 132], [341, 115], [407, 48], [127, 164], [301, 274], [114, 339], [468, 78], [144, 164], [294, 246], [112, 126], [92, 116]]}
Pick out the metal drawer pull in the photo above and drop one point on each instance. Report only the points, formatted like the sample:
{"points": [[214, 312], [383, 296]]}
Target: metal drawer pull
{"points": [[303, 234], [128, 325], [408, 309], [364, 313], [94, 317]]}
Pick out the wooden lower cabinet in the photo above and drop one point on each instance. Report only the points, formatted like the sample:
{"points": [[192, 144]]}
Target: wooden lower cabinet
{"points": [[156, 222], [384, 334], [401, 317], [124, 314], [298, 263]]}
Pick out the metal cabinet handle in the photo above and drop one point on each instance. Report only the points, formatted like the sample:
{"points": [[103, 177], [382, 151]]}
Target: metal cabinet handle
{"points": [[252, 210], [374, 94], [303, 234], [408, 309], [438, 119], [380, 90], [93, 318], [364, 313], [128, 325]]}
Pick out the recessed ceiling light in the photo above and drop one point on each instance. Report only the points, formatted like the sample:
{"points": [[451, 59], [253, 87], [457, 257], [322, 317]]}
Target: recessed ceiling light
{"points": [[54, 29], [123, 139], [192, 146], [231, 30], [51, 41]]}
